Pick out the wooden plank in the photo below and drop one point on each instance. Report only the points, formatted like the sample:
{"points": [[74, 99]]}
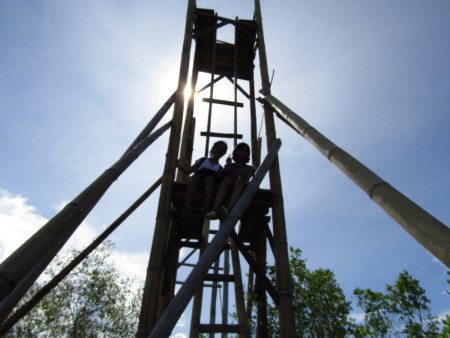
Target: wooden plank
{"points": [[222, 135], [218, 328], [219, 277], [224, 102]]}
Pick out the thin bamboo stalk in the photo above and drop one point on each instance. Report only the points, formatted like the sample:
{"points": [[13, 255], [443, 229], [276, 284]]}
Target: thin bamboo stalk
{"points": [[261, 258], [225, 287], [189, 125], [198, 297], [154, 121], [425, 228], [256, 152], [26, 264], [212, 309], [211, 96], [173, 312], [239, 293], [25, 308], [284, 284]]}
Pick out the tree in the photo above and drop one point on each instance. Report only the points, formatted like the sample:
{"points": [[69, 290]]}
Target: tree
{"points": [[446, 322], [403, 310], [321, 308], [93, 300]]}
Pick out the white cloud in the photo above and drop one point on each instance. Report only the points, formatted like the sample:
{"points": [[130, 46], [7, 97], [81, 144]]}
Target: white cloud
{"points": [[443, 315], [358, 317], [133, 264], [18, 221]]}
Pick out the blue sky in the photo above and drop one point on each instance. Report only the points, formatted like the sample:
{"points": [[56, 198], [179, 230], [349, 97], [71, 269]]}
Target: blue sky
{"points": [[81, 79]]}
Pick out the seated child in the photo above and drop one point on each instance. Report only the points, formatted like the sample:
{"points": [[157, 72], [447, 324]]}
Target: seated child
{"points": [[235, 174], [206, 170]]}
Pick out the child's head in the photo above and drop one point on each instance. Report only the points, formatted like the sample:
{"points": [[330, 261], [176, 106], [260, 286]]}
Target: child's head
{"points": [[219, 145], [242, 147]]}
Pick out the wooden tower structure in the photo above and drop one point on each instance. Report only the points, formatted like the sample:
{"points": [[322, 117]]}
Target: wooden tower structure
{"points": [[231, 62], [215, 251]]}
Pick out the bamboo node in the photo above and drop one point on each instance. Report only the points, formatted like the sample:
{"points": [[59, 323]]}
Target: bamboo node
{"points": [[332, 150], [376, 185]]}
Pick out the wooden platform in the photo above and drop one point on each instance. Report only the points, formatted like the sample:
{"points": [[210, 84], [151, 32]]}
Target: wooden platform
{"points": [[253, 219], [245, 40]]}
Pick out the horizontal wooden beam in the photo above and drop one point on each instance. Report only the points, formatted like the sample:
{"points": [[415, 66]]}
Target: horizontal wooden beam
{"points": [[222, 135], [218, 328], [224, 102], [216, 277]]}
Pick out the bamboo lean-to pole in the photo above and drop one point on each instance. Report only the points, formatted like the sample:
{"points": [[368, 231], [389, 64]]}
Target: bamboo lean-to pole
{"points": [[20, 270], [25, 308], [425, 228], [166, 323]]}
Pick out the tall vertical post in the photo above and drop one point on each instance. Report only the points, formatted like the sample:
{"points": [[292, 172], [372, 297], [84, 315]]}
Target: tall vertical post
{"points": [[284, 284], [152, 287], [188, 130], [256, 152]]}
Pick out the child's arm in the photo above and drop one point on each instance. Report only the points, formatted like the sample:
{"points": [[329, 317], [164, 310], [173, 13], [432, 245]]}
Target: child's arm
{"points": [[249, 174], [187, 169]]}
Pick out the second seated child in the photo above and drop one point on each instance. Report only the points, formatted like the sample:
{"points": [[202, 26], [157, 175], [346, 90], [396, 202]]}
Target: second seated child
{"points": [[236, 174]]}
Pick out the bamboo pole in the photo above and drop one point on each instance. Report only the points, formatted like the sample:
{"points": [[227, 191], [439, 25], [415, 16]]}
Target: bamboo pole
{"points": [[25, 308], [256, 153], [225, 287], [169, 318], [154, 121], [239, 293], [284, 284], [198, 297], [426, 229], [189, 126], [152, 287], [261, 258], [215, 284], [211, 95], [25, 265]]}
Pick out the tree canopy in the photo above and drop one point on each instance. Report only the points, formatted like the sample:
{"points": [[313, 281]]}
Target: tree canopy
{"points": [[94, 300], [323, 310]]}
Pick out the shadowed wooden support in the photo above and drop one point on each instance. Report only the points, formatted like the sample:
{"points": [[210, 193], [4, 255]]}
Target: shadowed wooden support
{"points": [[173, 312], [426, 229], [152, 289]]}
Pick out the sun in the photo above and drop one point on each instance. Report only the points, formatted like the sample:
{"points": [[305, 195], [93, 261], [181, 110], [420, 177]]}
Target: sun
{"points": [[187, 92]]}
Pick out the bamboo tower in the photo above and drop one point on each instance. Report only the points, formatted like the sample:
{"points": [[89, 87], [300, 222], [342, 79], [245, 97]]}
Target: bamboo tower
{"points": [[217, 250]]}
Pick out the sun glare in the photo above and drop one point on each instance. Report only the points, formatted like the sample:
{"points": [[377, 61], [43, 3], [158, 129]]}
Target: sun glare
{"points": [[187, 92]]}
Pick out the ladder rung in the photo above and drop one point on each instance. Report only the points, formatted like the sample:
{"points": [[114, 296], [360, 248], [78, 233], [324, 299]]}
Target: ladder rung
{"points": [[225, 102], [219, 277], [221, 135], [194, 265], [216, 328], [204, 285]]}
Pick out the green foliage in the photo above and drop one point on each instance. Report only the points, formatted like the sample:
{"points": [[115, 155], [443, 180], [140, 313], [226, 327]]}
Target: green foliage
{"points": [[94, 300], [321, 308], [445, 333], [402, 311]]}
